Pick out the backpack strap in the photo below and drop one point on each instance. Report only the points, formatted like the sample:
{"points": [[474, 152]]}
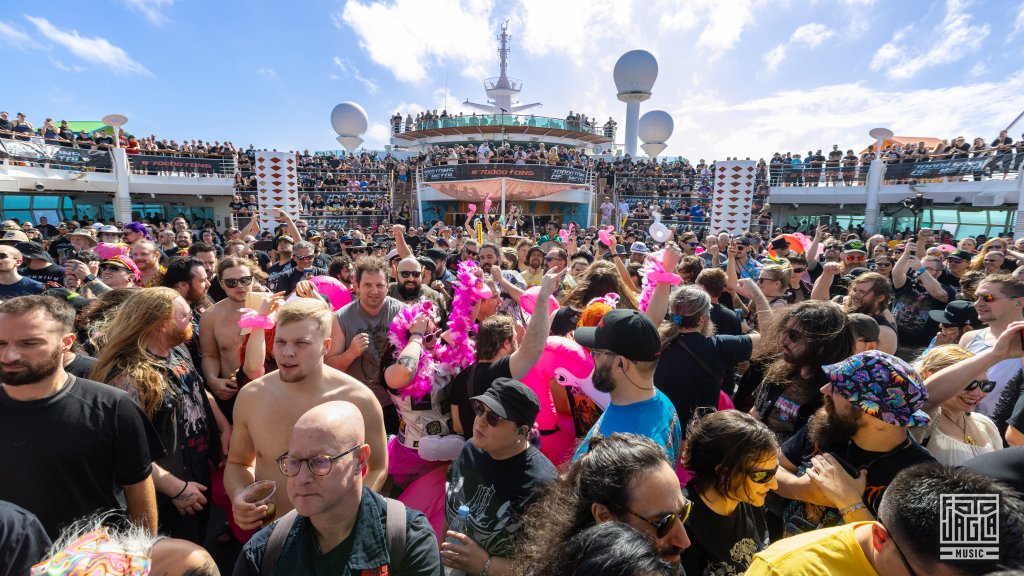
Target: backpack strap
{"points": [[396, 526], [275, 545]]}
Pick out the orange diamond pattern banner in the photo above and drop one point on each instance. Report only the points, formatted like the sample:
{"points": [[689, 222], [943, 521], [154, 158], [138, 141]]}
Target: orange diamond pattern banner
{"points": [[276, 185], [733, 196]]}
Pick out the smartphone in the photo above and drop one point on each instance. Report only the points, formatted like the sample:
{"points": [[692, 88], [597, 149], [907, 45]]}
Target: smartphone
{"points": [[824, 220], [263, 245], [1021, 333]]}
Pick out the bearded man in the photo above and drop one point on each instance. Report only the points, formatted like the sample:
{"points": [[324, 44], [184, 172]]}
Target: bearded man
{"points": [[410, 288]]}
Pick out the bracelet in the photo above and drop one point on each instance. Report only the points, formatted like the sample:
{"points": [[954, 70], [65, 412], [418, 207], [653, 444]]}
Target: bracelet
{"points": [[420, 334], [183, 488], [922, 270], [851, 508], [487, 566]]}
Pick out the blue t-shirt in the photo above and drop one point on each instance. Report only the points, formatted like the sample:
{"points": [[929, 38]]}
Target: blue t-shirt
{"points": [[655, 418], [23, 287]]}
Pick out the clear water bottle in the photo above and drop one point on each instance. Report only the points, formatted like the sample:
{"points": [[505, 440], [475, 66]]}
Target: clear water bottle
{"points": [[459, 524]]}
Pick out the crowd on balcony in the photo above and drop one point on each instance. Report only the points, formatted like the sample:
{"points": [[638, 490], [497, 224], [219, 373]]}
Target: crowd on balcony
{"points": [[62, 135], [432, 119]]}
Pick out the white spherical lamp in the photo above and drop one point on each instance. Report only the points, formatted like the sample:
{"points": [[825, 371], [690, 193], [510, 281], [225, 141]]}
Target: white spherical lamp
{"points": [[655, 126], [350, 122]]}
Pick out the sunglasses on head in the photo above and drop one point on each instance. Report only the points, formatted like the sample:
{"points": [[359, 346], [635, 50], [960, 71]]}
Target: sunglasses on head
{"points": [[481, 411], [666, 523], [985, 385], [235, 282], [410, 274], [762, 476]]}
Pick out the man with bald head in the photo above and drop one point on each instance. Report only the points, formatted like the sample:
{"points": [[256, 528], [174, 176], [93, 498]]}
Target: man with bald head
{"points": [[267, 408], [338, 526], [410, 288], [13, 284]]}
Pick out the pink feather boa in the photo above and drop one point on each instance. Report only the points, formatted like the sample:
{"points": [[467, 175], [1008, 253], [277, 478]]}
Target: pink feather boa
{"points": [[654, 273], [446, 359]]}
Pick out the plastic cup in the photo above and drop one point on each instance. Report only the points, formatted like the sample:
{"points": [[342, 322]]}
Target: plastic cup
{"points": [[262, 492]]}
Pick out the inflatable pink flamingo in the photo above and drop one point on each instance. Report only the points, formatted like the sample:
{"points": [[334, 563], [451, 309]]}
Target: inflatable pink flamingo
{"points": [[568, 364]]}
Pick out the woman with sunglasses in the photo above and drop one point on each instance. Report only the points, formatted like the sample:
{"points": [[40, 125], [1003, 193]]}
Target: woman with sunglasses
{"points": [[497, 475], [957, 381], [733, 458]]}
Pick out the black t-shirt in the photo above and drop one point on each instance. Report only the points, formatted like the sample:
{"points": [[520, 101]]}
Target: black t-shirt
{"points": [[52, 275], [181, 420], [497, 492], [474, 380], [287, 280], [66, 454], [882, 467], [911, 307], [23, 541], [81, 366], [699, 388], [723, 544], [727, 323]]}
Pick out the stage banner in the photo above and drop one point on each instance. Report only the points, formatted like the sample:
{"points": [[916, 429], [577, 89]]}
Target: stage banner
{"points": [[941, 169], [58, 155], [733, 196], [533, 173], [160, 164], [478, 190], [276, 185]]}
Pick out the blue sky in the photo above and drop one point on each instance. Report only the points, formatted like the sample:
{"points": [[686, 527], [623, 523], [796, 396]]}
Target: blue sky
{"points": [[740, 77]]}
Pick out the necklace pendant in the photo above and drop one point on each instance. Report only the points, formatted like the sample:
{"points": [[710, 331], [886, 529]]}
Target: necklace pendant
{"points": [[969, 440]]}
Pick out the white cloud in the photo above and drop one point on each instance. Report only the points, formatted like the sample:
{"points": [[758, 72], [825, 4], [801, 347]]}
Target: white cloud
{"points": [[798, 120], [349, 69], [96, 50], [377, 135], [721, 22], [813, 35], [774, 57], [979, 69], [952, 40], [151, 9], [1018, 23], [12, 35], [539, 28], [64, 67], [408, 36], [268, 73]]}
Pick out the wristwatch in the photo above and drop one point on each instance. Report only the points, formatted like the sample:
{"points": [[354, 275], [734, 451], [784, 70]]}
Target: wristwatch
{"points": [[89, 278]]}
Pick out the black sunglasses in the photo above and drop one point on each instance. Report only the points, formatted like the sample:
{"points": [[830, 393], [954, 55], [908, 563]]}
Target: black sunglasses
{"points": [[985, 385], [112, 268], [480, 410], [762, 476], [666, 523], [305, 258], [472, 253], [410, 274], [234, 282]]}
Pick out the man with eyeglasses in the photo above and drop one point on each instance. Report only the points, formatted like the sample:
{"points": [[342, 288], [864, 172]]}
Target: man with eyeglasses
{"points": [[837, 467], [470, 250], [339, 525], [268, 408], [302, 269], [623, 478], [410, 288], [915, 298], [220, 339]]}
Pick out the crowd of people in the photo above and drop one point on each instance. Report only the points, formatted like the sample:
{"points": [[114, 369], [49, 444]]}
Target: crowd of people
{"points": [[431, 119], [479, 401]]}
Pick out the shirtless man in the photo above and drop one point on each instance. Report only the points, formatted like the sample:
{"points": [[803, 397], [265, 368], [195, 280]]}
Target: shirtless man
{"points": [[267, 409], [220, 338]]}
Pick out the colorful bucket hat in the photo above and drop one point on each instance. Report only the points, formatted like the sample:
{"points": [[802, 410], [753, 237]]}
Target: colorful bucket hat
{"points": [[881, 386]]}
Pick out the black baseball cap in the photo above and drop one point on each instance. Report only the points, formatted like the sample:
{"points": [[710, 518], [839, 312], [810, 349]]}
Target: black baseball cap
{"points": [[961, 254], [627, 333], [854, 246], [436, 254], [512, 400], [957, 313]]}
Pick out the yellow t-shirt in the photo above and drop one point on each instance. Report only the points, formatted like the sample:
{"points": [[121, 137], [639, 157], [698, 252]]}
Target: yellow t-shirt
{"points": [[532, 278], [826, 552]]}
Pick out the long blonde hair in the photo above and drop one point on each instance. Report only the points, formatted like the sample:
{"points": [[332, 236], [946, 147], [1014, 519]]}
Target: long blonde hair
{"points": [[122, 353], [941, 357]]}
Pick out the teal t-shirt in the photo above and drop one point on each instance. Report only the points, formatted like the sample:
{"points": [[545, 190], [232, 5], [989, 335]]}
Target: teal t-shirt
{"points": [[655, 418]]}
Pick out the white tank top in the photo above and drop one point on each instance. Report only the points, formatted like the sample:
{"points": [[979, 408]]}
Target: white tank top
{"points": [[1001, 373]]}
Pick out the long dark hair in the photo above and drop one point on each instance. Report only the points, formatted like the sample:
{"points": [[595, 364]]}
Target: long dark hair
{"points": [[722, 448], [829, 338], [603, 475], [605, 549]]}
